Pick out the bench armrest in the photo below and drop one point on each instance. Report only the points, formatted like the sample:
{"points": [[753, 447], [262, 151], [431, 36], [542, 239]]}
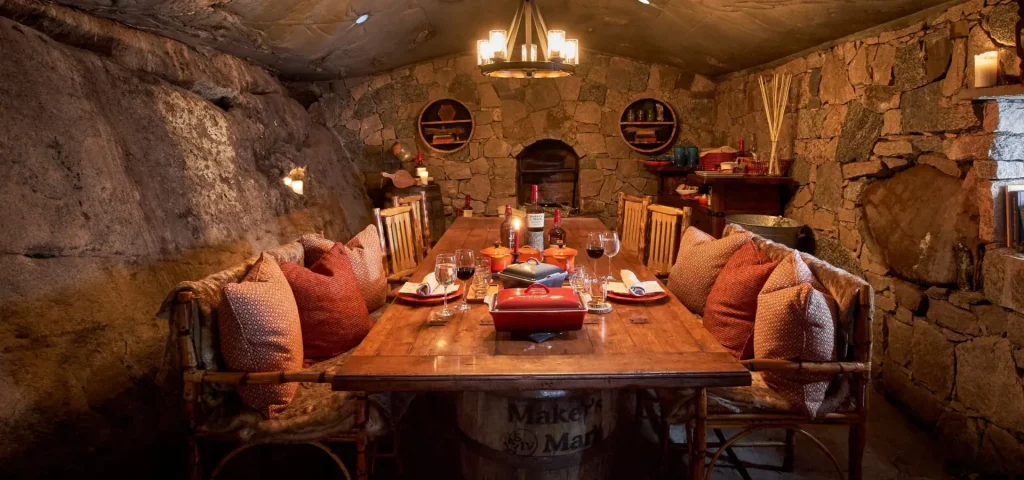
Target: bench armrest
{"points": [[256, 378], [767, 365]]}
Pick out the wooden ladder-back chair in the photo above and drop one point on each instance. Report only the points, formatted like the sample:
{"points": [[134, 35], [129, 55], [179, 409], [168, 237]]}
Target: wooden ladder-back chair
{"points": [[631, 223], [666, 225], [420, 218], [402, 253]]}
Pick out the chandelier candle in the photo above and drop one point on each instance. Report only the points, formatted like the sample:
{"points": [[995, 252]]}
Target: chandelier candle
{"points": [[535, 221]]}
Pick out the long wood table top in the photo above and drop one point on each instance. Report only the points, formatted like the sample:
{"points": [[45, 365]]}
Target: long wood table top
{"points": [[672, 349]]}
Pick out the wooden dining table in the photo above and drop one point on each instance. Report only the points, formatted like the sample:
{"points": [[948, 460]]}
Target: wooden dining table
{"points": [[637, 346]]}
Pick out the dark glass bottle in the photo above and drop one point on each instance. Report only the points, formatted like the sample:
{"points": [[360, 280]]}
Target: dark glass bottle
{"points": [[557, 234], [535, 221], [505, 231], [467, 210]]}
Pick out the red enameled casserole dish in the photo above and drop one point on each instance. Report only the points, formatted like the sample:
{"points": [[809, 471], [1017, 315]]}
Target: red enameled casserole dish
{"points": [[537, 309]]}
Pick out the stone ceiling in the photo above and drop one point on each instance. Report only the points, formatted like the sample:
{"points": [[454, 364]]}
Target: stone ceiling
{"points": [[319, 38]]}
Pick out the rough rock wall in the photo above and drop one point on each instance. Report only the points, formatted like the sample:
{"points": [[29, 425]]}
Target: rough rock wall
{"points": [[129, 162], [900, 180], [583, 111]]}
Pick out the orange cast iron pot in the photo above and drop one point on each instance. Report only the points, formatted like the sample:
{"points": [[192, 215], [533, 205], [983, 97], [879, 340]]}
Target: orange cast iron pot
{"points": [[561, 256]]}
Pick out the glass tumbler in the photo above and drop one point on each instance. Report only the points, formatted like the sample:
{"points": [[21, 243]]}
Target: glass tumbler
{"points": [[597, 288]]}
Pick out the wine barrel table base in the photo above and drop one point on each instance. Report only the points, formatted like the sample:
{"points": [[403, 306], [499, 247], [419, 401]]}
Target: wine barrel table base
{"points": [[538, 435]]}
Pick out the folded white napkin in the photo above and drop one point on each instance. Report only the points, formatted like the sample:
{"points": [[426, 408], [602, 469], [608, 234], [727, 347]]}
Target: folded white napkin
{"points": [[427, 287], [630, 285]]}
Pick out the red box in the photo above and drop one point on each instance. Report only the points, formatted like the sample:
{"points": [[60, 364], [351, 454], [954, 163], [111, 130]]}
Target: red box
{"points": [[537, 308], [711, 161]]}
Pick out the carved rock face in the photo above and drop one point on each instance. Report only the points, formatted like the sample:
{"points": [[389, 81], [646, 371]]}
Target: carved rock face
{"points": [[917, 218]]}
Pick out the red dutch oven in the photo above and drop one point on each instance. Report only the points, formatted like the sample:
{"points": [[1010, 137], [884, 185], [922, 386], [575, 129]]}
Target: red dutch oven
{"points": [[537, 309]]}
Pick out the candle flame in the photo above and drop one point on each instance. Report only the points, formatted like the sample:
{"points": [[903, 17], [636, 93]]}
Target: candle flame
{"points": [[515, 223]]}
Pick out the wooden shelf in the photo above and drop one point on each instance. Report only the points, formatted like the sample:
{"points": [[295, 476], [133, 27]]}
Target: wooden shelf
{"points": [[665, 131], [697, 180], [1001, 92], [443, 122], [430, 117]]}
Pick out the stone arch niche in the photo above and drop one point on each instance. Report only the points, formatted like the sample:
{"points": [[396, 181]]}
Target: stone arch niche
{"points": [[555, 167]]}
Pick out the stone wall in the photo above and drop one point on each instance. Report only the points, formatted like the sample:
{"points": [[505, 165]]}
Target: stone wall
{"points": [[129, 163], [900, 182], [583, 111]]}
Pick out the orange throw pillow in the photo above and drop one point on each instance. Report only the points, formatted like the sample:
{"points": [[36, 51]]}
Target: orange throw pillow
{"points": [[260, 332], [367, 262], [796, 321], [732, 303], [701, 257], [331, 308]]}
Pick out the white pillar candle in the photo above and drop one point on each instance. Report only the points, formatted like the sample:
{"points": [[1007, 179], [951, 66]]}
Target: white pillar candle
{"points": [[297, 186], [986, 69], [288, 181], [424, 178], [420, 171]]}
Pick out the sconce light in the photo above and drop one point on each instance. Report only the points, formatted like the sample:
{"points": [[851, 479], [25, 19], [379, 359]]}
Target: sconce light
{"points": [[296, 180]]}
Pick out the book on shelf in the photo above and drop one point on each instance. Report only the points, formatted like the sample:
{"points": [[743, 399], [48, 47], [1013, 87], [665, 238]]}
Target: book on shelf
{"points": [[1015, 216], [442, 139]]}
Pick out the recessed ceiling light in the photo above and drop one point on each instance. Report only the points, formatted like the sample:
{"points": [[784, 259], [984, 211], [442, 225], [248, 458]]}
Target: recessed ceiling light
{"points": [[362, 18]]}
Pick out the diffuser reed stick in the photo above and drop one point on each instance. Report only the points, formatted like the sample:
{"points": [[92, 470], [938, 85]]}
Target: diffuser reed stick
{"points": [[775, 98]]}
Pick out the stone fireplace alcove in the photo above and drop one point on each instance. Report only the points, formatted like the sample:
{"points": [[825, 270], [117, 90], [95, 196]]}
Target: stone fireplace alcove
{"points": [[554, 167]]}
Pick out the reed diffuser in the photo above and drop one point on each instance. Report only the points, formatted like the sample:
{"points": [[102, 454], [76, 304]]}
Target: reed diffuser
{"points": [[775, 98]]}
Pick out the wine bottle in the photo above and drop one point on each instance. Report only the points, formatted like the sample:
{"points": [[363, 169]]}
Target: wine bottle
{"points": [[467, 210], [505, 231], [535, 221], [743, 151], [557, 235]]}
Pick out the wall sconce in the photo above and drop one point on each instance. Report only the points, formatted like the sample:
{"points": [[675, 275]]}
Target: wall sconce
{"points": [[296, 180]]}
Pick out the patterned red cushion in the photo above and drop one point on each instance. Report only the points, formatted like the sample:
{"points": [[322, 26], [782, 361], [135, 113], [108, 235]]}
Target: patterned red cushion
{"points": [[314, 245], [732, 303], [367, 259], [368, 263], [331, 308], [260, 332], [795, 321], [698, 263]]}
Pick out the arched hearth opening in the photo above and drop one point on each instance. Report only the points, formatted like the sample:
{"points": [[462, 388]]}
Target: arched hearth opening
{"points": [[555, 167]]}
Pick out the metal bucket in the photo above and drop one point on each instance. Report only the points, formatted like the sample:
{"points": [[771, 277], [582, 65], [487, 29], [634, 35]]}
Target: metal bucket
{"points": [[777, 229]]}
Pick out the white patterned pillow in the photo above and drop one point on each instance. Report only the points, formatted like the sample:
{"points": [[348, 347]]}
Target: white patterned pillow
{"points": [[701, 258]]}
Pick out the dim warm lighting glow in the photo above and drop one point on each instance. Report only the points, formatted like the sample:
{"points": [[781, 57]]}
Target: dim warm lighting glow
{"points": [[515, 223], [552, 56], [297, 187], [288, 181], [296, 180], [645, 2], [483, 52], [556, 43], [572, 51], [497, 42], [533, 53], [362, 18]]}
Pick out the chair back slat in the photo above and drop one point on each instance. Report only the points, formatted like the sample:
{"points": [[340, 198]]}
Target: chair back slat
{"points": [[664, 241], [402, 250], [631, 224], [420, 224]]}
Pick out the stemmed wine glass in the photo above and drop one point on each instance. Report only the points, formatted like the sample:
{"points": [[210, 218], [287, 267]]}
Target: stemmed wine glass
{"points": [[595, 247], [465, 263], [611, 243], [444, 273]]}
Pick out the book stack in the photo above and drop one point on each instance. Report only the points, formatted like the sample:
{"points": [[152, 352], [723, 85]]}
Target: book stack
{"points": [[442, 138], [645, 136]]}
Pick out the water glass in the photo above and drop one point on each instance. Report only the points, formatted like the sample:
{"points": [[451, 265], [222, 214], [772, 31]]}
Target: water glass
{"points": [[611, 243], [597, 288], [482, 278], [444, 273]]}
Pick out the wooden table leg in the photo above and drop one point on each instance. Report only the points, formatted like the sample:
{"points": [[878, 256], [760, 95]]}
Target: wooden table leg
{"points": [[362, 439], [700, 434]]}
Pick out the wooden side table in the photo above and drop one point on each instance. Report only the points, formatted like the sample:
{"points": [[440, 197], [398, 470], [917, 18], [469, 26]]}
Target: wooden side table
{"points": [[730, 195]]}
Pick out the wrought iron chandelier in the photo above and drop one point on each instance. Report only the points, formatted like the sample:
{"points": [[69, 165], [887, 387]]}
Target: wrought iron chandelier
{"points": [[558, 55]]}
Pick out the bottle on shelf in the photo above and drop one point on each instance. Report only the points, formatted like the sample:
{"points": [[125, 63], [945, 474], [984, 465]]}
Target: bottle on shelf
{"points": [[467, 209], [752, 151], [535, 221], [421, 171], [557, 234], [743, 151], [505, 231]]}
